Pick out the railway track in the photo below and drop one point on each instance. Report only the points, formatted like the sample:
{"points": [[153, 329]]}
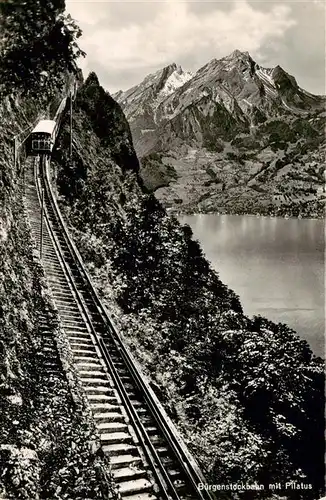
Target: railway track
{"points": [[147, 459]]}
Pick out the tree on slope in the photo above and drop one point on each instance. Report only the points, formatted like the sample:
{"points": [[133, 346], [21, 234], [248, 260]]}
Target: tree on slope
{"points": [[38, 44]]}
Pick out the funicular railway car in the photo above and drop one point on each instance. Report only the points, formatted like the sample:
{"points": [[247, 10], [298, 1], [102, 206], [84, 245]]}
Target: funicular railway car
{"points": [[41, 139]]}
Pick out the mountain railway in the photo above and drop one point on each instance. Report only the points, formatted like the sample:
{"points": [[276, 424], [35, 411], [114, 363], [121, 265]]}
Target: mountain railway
{"points": [[148, 459]]}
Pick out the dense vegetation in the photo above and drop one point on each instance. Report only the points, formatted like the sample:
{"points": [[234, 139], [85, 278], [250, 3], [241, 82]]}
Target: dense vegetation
{"points": [[48, 445], [37, 47], [246, 394]]}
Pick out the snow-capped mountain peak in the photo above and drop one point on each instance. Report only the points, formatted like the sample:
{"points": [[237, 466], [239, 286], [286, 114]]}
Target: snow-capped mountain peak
{"points": [[174, 81]]}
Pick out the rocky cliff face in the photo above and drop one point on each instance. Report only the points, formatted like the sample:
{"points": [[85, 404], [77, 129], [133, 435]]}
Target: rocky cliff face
{"points": [[233, 137]]}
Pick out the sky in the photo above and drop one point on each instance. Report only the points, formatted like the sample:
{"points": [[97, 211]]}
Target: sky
{"points": [[127, 40]]}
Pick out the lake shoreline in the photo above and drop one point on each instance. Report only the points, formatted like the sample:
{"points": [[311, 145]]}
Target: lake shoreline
{"points": [[257, 216]]}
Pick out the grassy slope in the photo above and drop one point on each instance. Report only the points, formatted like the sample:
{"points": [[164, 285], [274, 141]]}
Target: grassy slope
{"points": [[247, 395]]}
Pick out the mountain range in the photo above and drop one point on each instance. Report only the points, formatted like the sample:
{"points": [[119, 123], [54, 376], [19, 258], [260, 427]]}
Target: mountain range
{"points": [[234, 137]]}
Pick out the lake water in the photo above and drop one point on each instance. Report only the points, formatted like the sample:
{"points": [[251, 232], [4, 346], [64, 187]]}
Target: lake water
{"points": [[275, 265]]}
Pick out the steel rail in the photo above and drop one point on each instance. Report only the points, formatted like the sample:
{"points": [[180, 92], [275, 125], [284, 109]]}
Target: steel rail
{"points": [[189, 467], [165, 484]]}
